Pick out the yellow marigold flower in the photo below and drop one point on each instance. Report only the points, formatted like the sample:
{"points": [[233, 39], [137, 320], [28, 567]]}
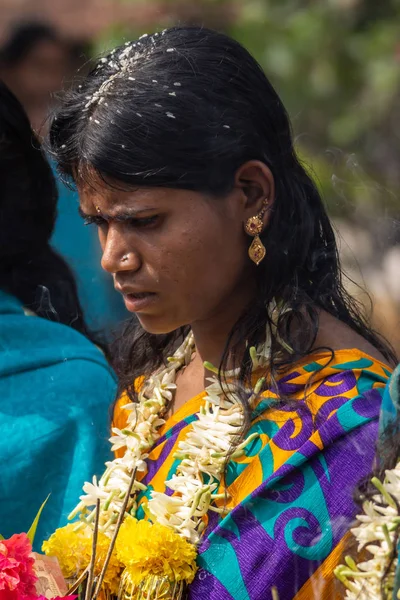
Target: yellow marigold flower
{"points": [[153, 549], [73, 549]]}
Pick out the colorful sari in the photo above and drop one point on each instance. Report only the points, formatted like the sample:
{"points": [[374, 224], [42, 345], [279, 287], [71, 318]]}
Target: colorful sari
{"points": [[291, 493]]}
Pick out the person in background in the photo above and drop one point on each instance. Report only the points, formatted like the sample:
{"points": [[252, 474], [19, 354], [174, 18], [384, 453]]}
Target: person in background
{"points": [[103, 308], [35, 62], [388, 454], [375, 572], [55, 384]]}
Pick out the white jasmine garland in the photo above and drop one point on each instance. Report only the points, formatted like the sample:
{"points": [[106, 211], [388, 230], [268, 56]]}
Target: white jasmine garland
{"points": [[203, 452], [376, 534]]}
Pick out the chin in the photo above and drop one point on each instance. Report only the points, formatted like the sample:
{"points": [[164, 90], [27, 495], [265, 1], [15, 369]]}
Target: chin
{"points": [[157, 325]]}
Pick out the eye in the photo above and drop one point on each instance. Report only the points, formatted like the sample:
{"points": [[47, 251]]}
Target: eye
{"points": [[94, 220], [145, 222]]}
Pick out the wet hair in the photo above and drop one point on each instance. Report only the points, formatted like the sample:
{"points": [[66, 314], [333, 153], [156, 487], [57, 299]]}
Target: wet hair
{"points": [[23, 39], [29, 268], [185, 108]]}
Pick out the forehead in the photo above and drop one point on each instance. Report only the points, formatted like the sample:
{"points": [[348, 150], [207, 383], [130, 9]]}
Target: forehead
{"points": [[48, 49], [113, 200], [118, 196]]}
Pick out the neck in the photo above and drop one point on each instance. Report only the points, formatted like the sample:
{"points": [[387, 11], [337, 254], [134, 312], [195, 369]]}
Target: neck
{"points": [[209, 345], [211, 334]]}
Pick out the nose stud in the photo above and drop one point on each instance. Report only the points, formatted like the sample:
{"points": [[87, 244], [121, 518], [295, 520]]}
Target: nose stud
{"points": [[124, 258], [98, 209]]}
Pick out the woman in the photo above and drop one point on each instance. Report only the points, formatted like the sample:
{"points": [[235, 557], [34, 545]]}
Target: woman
{"points": [[55, 385], [34, 61], [218, 240]]}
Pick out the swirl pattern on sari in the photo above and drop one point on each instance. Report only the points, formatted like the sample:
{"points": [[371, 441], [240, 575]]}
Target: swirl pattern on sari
{"points": [[290, 495]]}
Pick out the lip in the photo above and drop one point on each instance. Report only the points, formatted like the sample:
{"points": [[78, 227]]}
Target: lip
{"points": [[138, 301]]}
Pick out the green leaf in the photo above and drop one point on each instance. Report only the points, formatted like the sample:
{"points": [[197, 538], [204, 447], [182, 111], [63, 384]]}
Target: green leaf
{"points": [[32, 530], [2, 537]]}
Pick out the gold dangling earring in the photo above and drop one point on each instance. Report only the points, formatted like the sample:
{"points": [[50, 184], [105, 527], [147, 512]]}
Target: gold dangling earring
{"points": [[253, 227]]}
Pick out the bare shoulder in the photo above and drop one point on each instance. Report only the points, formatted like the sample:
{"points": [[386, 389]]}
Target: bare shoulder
{"points": [[337, 335]]}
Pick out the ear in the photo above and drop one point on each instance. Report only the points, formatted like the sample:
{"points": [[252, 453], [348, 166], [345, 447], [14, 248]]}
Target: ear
{"points": [[256, 183]]}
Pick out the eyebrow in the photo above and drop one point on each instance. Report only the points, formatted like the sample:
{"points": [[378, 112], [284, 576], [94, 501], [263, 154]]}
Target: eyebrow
{"points": [[122, 216]]}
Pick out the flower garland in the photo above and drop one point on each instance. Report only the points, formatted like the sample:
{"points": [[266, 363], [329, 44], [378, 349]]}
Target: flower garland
{"points": [[177, 522], [211, 436], [154, 550], [377, 534], [73, 549]]}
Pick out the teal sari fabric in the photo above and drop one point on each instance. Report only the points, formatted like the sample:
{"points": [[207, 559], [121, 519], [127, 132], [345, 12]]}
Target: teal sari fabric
{"points": [[389, 422], [55, 393]]}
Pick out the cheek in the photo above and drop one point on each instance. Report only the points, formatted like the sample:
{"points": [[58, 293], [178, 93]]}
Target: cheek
{"points": [[205, 263]]}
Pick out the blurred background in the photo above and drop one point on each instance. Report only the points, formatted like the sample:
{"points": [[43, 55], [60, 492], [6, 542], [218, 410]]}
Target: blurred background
{"points": [[336, 65]]}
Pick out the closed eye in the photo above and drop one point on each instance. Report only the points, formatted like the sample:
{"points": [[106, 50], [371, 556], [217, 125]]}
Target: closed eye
{"points": [[145, 222], [133, 222], [94, 220]]}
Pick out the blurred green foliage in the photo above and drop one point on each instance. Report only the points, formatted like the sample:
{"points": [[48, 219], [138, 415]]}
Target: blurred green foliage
{"points": [[336, 65]]}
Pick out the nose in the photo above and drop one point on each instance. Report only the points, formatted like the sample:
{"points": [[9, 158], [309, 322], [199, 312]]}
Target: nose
{"points": [[117, 254]]}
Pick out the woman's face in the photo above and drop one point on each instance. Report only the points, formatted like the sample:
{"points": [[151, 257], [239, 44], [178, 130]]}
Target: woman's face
{"points": [[177, 256], [41, 72]]}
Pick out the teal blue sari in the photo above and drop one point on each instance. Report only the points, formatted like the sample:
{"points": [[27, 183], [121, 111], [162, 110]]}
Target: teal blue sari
{"points": [[55, 393]]}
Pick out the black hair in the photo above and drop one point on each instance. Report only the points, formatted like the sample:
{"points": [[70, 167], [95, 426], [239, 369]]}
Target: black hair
{"points": [[22, 39], [29, 268], [185, 108]]}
